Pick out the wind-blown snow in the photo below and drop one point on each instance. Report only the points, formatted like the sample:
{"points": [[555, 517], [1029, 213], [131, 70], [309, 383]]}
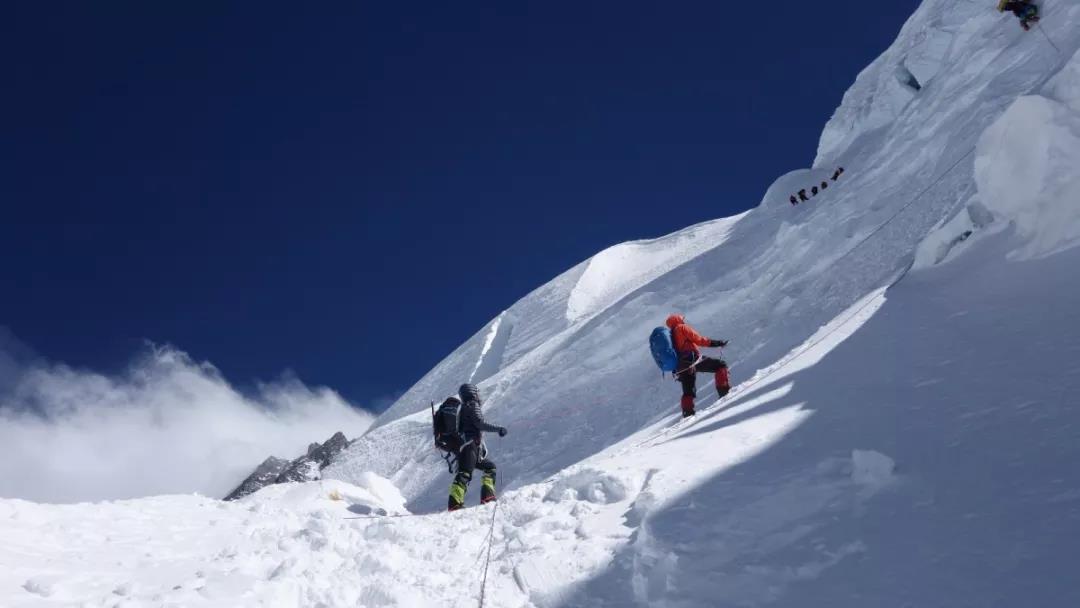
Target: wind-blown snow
{"points": [[166, 425], [901, 433]]}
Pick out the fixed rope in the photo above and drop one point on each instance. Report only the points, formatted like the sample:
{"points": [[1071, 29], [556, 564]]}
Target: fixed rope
{"points": [[1047, 36], [746, 386], [918, 196], [742, 388], [487, 562], [750, 384]]}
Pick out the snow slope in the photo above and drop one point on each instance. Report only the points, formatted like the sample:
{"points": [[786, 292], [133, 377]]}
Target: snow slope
{"points": [[903, 431], [573, 376], [836, 481]]}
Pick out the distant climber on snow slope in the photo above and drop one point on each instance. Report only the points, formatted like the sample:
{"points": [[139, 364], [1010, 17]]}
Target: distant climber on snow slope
{"points": [[687, 342], [459, 430], [1026, 12]]}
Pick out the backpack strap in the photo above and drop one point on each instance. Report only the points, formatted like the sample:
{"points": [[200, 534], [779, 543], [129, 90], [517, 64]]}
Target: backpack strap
{"points": [[451, 460]]}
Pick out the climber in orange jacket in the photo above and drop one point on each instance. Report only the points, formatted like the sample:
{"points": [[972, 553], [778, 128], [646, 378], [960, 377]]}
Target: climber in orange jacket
{"points": [[687, 344]]}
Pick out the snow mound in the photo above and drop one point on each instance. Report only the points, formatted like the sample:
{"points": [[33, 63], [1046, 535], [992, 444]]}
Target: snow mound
{"points": [[370, 494], [621, 269], [1025, 168], [591, 486], [40, 585], [871, 469], [790, 183]]}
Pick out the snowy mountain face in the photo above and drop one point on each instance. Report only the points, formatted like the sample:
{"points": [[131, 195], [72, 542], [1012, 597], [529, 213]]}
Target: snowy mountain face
{"points": [[903, 429], [565, 368]]}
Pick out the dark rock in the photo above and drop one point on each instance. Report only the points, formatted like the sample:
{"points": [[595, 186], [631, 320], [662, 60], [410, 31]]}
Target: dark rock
{"points": [[305, 468], [264, 475], [308, 467]]}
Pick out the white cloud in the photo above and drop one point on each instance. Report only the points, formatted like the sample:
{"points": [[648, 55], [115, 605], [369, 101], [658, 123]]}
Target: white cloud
{"points": [[166, 425]]}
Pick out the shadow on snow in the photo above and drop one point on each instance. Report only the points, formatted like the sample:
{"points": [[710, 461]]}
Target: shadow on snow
{"points": [[976, 405]]}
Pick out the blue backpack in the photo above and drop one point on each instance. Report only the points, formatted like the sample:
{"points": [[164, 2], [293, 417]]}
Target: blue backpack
{"points": [[663, 350]]}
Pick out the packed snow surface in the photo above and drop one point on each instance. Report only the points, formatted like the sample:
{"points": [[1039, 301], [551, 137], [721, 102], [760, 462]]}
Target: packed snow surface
{"points": [[903, 430]]}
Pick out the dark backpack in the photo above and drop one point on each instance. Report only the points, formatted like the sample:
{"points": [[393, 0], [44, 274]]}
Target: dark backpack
{"points": [[446, 424]]}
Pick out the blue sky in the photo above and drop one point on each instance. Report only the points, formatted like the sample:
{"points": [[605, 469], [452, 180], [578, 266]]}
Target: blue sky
{"points": [[350, 190]]}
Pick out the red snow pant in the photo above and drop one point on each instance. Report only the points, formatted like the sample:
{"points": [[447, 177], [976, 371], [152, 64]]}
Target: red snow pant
{"points": [[688, 379]]}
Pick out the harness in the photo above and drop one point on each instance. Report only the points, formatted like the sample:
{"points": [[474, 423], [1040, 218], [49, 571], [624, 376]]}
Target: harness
{"points": [[675, 374], [451, 458]]}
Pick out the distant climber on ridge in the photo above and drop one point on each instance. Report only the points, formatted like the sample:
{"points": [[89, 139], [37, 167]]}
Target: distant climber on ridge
{"points": [[472, 454], [813, 191], [793, 200], [687, 342], [1026, 12], [802, 195]]}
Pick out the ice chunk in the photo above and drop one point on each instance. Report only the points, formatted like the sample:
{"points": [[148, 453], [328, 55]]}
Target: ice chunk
{"points": [[871, 469], [1025, 170], [589, 485]]}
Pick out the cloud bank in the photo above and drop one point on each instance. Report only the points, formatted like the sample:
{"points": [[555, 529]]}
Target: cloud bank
{"points": [[166, 425]]}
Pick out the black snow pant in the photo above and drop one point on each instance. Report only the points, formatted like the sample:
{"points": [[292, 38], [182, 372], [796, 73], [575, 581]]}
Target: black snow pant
{"points": [[688, 379], [472, 456]]}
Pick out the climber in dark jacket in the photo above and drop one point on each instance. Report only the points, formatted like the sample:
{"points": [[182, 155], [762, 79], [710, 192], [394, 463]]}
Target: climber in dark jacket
{"points": [[1026, 12], [473, 453]]}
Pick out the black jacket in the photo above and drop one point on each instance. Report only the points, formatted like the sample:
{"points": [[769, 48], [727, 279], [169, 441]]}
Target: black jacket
{"points": [[1017, 8], [473, 424]]}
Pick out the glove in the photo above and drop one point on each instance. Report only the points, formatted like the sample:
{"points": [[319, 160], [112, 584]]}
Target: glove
{"points": [[718, 343], [502, 431]]}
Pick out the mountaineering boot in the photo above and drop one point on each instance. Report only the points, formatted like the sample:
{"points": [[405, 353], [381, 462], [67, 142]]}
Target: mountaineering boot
{"points": [[687, 406], [487, 488], [723, 381], [458, 488]]}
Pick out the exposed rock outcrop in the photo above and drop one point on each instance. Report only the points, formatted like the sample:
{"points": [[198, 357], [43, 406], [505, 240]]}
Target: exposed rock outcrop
{"points": [[305, 468], [264, 475]]}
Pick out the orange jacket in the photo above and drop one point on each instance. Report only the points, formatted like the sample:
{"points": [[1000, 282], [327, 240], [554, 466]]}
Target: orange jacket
{"points": [[684, 337]]}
